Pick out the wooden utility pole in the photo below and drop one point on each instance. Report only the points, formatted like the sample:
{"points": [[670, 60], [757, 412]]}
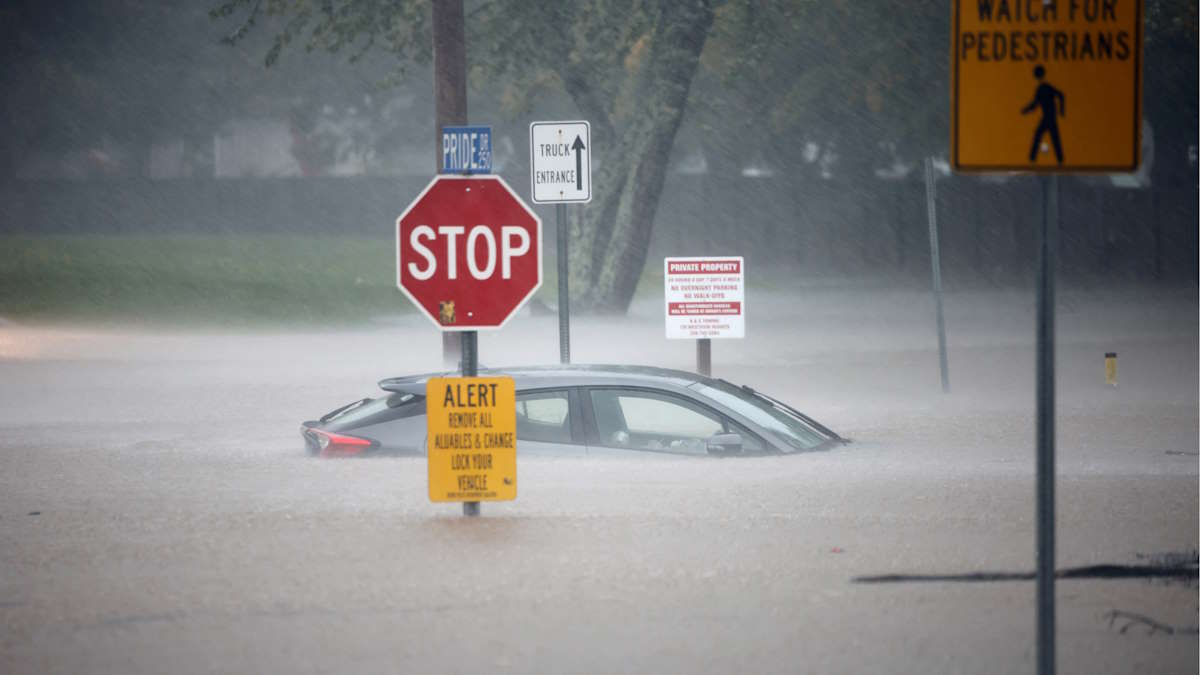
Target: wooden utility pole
{"points": [[450, 101]]}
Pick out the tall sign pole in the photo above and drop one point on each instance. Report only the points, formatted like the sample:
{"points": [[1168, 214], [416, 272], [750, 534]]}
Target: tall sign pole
{"points": [[450, 104], [564, 292], [1015, 71], [935, 261], [560, 173], [1047, 260]]}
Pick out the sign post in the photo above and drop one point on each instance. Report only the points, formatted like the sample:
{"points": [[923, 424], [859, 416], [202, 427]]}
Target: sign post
{"points": [[935, 261], [564, 293], [1047, 257], [450, 103], [704, 298], [469, 255], [560, 173], [1016, 69]]}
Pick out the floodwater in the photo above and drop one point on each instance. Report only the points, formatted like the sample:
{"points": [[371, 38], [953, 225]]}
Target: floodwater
{"points": [[158, 513]]}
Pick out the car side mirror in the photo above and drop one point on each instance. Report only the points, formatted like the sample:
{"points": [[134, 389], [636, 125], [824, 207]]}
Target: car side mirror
{"points": [[724, 445]]}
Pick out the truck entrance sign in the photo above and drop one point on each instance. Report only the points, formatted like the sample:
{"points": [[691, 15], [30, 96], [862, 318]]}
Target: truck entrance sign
{"points": [[1048, 86], [560, 162], [705, 297], [468, 252], [472, 443]]}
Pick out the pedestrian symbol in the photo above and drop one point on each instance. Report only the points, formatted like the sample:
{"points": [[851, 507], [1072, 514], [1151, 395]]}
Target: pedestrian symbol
{"points": [[1053, 104]]}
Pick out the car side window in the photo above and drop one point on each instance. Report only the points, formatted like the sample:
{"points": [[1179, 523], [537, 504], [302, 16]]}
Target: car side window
{"points": [[641, 420], [544, 416]]}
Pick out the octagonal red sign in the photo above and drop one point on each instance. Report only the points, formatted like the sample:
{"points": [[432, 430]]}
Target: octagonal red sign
{"points": [[468, 252]]}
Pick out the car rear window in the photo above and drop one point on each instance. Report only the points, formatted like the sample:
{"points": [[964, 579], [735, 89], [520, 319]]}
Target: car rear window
{"points": [[357, 412]]}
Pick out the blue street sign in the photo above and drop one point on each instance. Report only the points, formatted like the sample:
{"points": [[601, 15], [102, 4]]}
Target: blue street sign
{"points": [[466, 150]]}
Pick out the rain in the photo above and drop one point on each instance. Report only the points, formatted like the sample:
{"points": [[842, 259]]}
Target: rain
{"points": [[200, 238]]}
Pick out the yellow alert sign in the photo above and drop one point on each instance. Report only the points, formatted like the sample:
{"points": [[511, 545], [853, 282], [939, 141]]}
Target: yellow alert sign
{"points": [[1048, 86], [472, 443]]}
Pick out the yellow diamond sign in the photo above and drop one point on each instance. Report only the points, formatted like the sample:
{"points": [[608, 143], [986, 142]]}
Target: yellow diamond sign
{"points": [[1048, 86], [472, 442]]}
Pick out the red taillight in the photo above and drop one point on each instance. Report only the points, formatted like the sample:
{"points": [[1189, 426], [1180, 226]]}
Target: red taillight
{"points": [[339, 445]]}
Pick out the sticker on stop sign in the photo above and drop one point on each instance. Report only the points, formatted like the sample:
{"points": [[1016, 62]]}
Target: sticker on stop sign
{"points": [[468, 252]]}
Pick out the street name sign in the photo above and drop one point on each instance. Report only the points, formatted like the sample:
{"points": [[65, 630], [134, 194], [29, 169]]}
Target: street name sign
{"points": [[468, 252], [1047, 86], [705, 297], [560, 162], [472, 442], [466, 150]]}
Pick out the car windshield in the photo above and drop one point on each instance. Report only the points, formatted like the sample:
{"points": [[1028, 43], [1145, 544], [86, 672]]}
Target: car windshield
{"points": [[796, 432]]}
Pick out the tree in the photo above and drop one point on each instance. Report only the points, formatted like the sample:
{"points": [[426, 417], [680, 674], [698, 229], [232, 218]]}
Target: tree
{"points": [[1169, 89], [628, 66], [862, 83]]}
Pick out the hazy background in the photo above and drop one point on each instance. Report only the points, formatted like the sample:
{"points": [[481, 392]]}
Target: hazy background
{"points": [[196, 254], [240, 191]]}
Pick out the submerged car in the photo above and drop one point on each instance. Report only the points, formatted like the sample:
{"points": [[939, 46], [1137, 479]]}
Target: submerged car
{"points": [[588, 411]]}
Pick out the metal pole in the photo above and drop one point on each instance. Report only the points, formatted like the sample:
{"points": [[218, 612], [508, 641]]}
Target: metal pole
{"points": [[564, 297], [450, 106], [470, 368], [704, 356], [936, 264], [1047, 254]]}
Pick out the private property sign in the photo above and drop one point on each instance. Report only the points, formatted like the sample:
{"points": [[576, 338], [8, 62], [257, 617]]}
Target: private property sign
{"points": [[1048, 86], [472, 442], [705, 297]]}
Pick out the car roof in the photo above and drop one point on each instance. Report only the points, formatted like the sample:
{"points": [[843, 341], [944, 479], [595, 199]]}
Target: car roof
{"points": [[537, 377]]}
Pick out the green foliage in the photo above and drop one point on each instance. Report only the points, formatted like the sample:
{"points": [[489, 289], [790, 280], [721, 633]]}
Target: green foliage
{"points": [[353, 26], [1169, 88], [76, 75], [859, 79], [198, 279], [204, 280]]}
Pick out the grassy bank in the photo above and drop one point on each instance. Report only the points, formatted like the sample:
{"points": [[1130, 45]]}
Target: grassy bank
{"points": [[198, 279]]}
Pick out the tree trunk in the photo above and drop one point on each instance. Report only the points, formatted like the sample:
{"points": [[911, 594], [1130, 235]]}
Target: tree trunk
{"points": [[611, 236]]}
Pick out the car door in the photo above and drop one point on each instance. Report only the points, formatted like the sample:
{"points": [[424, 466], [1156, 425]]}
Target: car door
{"points": [[636, 421], [548, 423]]}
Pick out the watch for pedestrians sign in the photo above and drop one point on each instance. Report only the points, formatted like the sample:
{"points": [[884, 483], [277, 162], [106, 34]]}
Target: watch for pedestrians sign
{"points": [[1048, 86], [560, 162]]}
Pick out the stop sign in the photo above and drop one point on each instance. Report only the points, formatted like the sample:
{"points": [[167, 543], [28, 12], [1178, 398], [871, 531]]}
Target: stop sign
{"points": [[468, 252]]}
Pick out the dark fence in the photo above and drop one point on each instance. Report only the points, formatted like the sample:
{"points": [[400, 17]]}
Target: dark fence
{"points": [[814, 227], [333, 206], [987, 228]]}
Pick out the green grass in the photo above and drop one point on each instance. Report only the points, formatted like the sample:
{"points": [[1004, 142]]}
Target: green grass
{"points": [[198, 279], [205, 280]]}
